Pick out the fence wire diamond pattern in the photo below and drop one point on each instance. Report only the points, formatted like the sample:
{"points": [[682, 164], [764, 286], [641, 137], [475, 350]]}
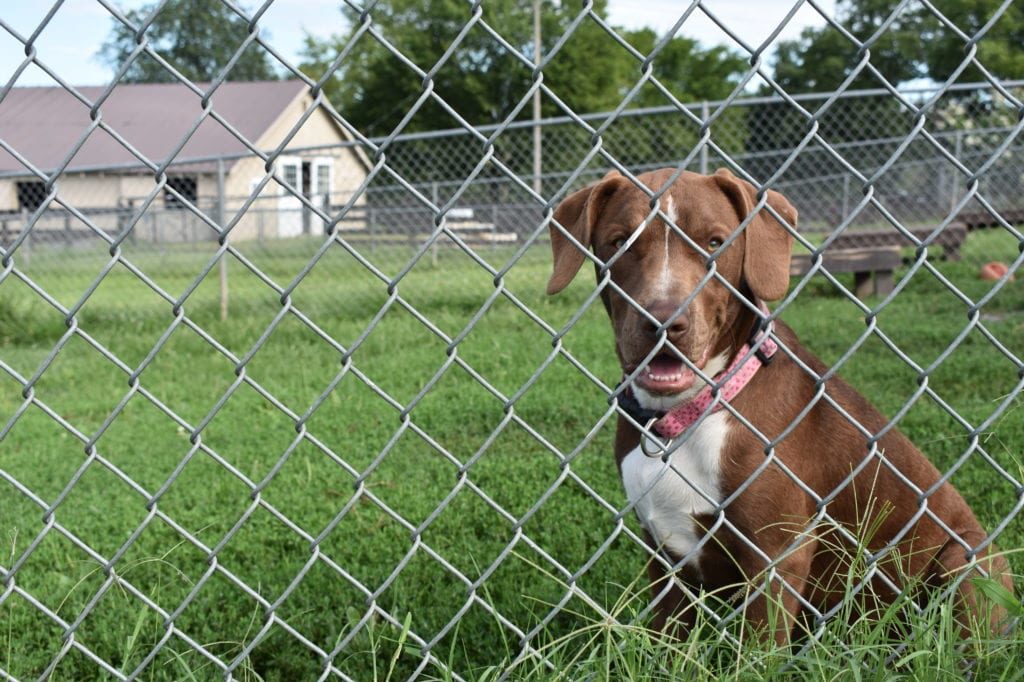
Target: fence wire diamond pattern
{"points": [[979, 169]]}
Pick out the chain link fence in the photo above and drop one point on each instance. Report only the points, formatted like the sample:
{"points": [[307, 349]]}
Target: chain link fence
{"points": [[301, 410]]}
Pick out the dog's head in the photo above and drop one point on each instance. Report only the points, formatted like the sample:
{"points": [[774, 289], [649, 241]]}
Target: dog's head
{"points": [[660, 270]]}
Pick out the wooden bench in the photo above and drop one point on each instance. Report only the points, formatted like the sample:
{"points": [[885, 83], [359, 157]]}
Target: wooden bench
{"points": [[863, 263], [474, 232], [950, 239]]}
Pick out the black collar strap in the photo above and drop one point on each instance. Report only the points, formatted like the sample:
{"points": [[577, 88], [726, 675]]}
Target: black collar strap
{"points": [[631, 406]]}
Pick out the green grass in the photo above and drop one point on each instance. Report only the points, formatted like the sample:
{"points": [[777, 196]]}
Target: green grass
{"points": [[476, 459]]}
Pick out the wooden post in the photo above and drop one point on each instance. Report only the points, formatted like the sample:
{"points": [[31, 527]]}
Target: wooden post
{"points": [[223, 265], [129, 212], [26, 246]]}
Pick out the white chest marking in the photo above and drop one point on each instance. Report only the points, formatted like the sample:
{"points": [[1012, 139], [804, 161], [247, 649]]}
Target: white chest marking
{"points": [[665, 279], [664, 501]]}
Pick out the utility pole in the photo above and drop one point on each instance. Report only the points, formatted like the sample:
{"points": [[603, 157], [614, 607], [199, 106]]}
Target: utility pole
{"points": [[536, 101]]}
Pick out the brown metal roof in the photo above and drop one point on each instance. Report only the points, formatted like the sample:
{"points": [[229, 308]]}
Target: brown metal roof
{"points": [[44, 123]]}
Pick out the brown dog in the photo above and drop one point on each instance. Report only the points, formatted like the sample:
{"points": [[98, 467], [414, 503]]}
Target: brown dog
{"points": [[828, 495]]}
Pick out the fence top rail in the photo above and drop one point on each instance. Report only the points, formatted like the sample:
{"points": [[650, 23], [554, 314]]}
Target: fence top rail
{"points": [[552, 121]]}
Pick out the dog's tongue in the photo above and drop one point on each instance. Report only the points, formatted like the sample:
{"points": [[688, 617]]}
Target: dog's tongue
{"points": [[666, 375]]}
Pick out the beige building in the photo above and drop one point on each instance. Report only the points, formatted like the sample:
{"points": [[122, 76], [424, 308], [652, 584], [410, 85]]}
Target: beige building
{"points": [[106, 158]]}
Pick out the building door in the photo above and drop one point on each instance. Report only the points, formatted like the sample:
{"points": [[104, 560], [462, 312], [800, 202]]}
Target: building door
{"points": [[321, 178], [289, 206]]}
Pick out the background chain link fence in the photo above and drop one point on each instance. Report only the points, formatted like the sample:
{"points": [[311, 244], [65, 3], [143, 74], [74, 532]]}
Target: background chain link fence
{"points": [[315, 415], [920, 187]]}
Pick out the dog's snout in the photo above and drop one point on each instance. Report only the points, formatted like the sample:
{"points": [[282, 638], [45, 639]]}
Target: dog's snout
{"points": [[675, 325]]}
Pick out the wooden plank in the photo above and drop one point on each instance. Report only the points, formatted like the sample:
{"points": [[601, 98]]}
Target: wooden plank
{"points": [[850, 260], [979, 219], [872, 268], [950, 239], [469, 226]]}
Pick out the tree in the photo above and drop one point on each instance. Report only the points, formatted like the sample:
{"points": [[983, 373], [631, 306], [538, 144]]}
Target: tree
{"points": [[999, 49], [197, 37], [822, 58], [917, 44], [483, 81], [689, 72]]}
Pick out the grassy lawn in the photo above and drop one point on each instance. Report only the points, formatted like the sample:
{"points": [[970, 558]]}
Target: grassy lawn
{"points": [[264, 527]]}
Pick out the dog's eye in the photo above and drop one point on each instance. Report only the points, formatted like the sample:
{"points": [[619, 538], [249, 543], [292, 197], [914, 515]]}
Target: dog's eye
{"points": [[715, 244], [619, 243]]}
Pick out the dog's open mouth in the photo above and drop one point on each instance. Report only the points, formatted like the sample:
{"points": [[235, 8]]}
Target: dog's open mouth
{"points": [[666, 374]]}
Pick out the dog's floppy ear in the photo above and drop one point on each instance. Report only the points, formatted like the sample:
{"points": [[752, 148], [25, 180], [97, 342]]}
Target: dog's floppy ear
{"points": [[769, 245], [578, 213]]}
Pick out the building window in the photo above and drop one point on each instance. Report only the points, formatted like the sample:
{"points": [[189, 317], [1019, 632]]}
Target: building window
{"points": [[30, 195], [185, 185], [290, 173]]}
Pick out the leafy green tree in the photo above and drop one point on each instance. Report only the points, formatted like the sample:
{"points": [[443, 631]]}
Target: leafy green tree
{"points": [[196, 37], [917, 44], [483, 80], [691, 73], [999, 50], [822, 58]]}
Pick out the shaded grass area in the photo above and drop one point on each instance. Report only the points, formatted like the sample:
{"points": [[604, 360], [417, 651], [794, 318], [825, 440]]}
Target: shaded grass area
{"points": [[461, 516]]}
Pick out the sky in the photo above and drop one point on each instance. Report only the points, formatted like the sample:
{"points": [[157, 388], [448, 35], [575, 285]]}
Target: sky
{"points": [[69, 43]]}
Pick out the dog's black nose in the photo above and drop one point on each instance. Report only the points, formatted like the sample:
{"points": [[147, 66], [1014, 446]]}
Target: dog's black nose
{"points": [[665, 313]]}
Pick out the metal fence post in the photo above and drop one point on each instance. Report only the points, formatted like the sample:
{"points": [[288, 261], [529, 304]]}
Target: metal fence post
{"points": [[846, 197], [371, 229], [433, 247], [958, 148]]}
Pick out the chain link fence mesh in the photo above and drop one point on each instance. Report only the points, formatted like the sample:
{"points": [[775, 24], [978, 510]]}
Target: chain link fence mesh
{"points": [[280, 422]]}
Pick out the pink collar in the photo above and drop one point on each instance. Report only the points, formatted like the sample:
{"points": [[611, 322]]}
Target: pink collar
{"points": [[727, 385], [743, 367]]}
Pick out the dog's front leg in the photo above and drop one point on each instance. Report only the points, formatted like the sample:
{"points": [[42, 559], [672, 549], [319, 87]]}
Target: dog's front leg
{"points": [[973, 611], [674, 611], [778, 594]]}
